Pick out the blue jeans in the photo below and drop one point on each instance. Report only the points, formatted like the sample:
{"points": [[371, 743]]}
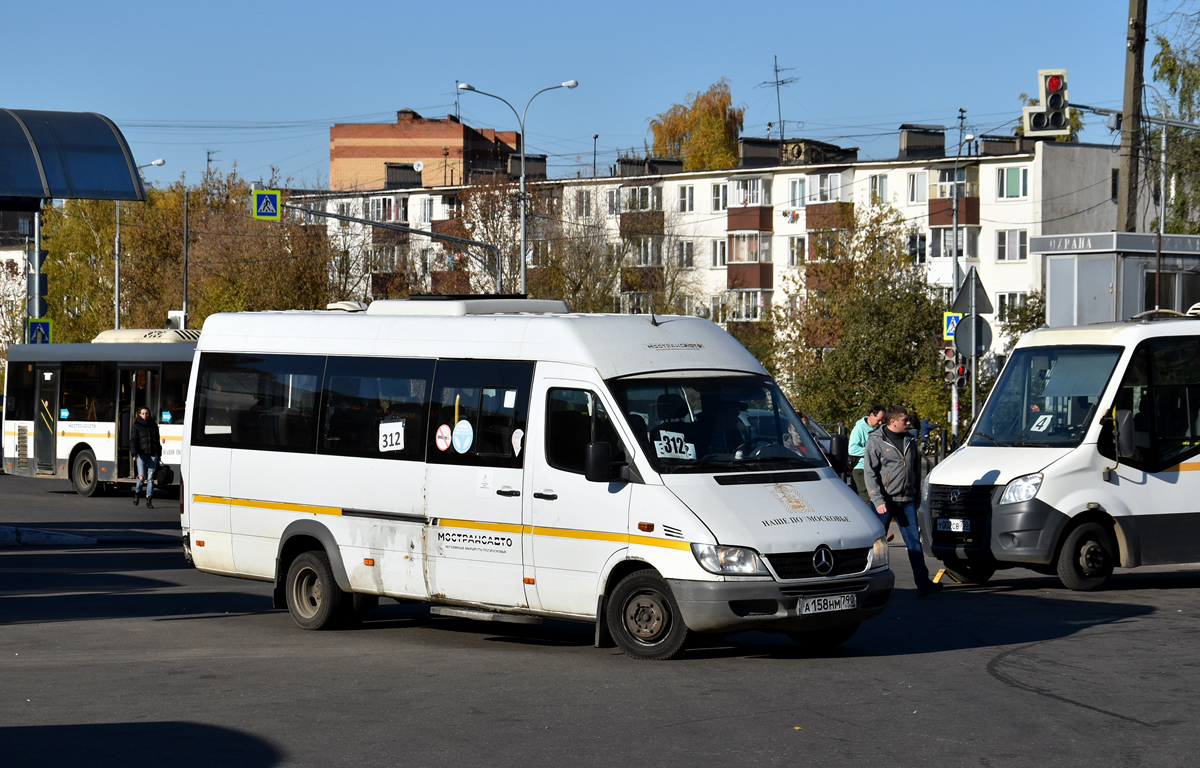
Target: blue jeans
{"points": [[146, 464], [910, 533]]}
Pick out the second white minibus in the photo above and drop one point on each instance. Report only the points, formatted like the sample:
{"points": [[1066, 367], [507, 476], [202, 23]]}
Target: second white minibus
{"points": [[504, 459], [1084, 458]]}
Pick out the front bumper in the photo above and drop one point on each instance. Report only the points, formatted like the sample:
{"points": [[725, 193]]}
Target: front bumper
{"points": [[737, 606], [1024, 533]]}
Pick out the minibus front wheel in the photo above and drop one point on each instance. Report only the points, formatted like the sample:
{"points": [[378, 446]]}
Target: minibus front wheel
{"points": [[313, 597], [644, 618], [1087, 558]]}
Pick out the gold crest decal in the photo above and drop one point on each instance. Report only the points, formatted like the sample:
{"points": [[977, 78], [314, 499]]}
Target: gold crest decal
{"points": [[790, 498]]}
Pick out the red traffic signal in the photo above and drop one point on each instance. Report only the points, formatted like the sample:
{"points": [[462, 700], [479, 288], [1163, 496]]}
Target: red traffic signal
{"points": [[1054, 83]]}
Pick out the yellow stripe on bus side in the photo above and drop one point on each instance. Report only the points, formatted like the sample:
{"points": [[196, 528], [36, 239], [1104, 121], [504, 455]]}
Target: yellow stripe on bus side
{"points": [[565, 533], [475, 525], [1192, 466], [279, 505]]}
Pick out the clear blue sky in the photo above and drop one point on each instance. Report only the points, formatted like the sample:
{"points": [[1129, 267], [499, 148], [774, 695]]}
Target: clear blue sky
{"points": [[261, 82]]}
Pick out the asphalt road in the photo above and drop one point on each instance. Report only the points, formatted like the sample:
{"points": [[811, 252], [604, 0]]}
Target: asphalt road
{"points": [[120, 654]]}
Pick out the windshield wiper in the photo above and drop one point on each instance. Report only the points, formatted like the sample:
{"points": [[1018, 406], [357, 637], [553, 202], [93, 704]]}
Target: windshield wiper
{"points": [[986, 435]]}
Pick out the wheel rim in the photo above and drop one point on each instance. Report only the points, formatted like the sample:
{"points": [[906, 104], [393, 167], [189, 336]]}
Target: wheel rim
{"points": [[647, 617], [306, 593], [1093, 558], [87, 473]]}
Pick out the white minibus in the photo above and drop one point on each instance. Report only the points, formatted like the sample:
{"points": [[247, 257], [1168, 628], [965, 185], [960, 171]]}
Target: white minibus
{"points": [[1082, 459], [70, 406], [506, 460]]}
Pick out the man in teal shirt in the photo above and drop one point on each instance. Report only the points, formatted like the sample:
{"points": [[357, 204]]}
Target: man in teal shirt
{"points": [[858, 448]]}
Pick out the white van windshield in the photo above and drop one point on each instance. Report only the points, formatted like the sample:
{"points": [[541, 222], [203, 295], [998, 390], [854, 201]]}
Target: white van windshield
{"points": [[1047, 397], [715, 423]]}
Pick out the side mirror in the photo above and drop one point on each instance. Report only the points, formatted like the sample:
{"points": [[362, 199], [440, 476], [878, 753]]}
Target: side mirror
{"points": [[839, 452], [1124, 431], [597, 463]]}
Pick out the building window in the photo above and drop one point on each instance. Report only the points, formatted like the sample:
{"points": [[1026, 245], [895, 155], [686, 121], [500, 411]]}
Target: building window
{"points": [[796, 193], [583, 203], [718, 253], [647, 251], [752, 191], [1012, 245], [381, 209], [720, 197], [451, 208], [916, 247], [879, 189], [685, 254], [614, 202], [968, 183], [643, 198], [827, 188], [1116, 183], [749, 247], [1006, 302], [1012, 183], [748, 305], [917, 187], [796, 250], [634, 303], [968, 242], [687, 199], [426, 210]]}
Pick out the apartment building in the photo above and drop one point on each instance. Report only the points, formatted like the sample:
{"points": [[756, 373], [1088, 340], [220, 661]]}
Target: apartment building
{"points": [[742, 235]]}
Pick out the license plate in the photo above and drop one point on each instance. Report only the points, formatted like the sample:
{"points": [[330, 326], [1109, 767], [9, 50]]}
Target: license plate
{"points": [[828, 603], [954, 525]]}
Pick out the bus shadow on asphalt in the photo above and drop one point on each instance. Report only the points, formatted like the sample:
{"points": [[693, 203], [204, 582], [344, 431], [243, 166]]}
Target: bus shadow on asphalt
{"points": [[134, 745]]}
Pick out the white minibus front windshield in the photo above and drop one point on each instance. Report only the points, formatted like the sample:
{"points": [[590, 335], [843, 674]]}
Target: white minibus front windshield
{"points": [[715, 423], [1047, 397]]}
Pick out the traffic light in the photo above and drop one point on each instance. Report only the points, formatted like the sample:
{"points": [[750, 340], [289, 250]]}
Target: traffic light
{"points": [[35, 286], [962, 372], [949, 365], [1052, 116]]}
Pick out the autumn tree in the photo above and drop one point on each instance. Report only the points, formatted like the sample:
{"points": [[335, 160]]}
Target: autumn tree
{"points": [[865, 326], [703, 131], [1177, 66]]}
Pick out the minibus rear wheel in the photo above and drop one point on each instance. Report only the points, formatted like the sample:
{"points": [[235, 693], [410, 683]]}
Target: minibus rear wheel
{"points": [[84, 475], [1087, 558], [644, 618], [313, 597]]}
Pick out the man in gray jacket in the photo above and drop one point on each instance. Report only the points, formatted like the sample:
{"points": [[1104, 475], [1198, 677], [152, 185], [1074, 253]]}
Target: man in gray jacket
{"points": [[893, 475]]}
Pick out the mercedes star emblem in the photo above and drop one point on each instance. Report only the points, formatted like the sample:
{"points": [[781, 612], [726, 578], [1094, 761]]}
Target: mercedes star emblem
{"points": [[954, 496], [823, 560]]}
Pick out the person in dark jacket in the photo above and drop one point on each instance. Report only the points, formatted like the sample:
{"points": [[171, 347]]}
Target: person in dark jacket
{"points": [[145, 443], [893, 475]]}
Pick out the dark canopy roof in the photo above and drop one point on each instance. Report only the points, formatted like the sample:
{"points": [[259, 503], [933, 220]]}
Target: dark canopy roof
{"points": [[63, 155]]}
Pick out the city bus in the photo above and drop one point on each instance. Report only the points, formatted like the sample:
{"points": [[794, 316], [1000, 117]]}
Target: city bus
{"points": [[1084, 458], [69, 407], [506, 460]]}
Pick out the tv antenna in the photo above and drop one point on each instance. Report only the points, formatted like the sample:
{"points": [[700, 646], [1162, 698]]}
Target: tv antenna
{"points": [[778, 82]]}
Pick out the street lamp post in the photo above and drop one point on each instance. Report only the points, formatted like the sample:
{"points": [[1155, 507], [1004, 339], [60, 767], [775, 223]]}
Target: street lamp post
{"points": [[117, 260], [957, 155], [521, 123]]}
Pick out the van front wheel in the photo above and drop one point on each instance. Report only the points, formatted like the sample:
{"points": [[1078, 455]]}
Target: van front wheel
{"points": [[644, 618], [313, 597], [1087, 558]]}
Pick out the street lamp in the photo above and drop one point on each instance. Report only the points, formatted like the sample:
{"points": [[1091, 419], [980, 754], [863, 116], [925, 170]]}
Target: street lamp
{"points": [[117, 260], [521, 123]]}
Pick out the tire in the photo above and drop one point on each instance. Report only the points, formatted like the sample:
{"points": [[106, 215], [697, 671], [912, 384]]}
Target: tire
{"points": [[1087, 558], [975, 573], [314, 599], [644, 618], [85, 474], [356, 608], [824, 639]]}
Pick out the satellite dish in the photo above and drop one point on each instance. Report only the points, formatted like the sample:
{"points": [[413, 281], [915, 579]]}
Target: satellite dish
{"points": [[418, 166]]}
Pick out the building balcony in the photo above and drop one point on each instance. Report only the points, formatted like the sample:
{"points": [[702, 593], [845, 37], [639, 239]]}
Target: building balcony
{"points": [[641, 279], [941, 211], [829, 216], [634, 223], [749, 275], [751, 217]]}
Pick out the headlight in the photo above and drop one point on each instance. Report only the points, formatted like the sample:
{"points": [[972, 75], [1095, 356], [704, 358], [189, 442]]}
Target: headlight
{"points": [[1022, 489], [739, 561], [879, 552], [925, 488]]}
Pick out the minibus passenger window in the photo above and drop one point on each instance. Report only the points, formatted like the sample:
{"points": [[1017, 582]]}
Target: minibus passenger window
{"points": [[375, 408], [173, 399], [478, 412], [88, 391]]}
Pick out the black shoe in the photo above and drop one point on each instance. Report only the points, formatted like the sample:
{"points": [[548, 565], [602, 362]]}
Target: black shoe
{"points": [[150, 505], [926, 591], [136, 500]]}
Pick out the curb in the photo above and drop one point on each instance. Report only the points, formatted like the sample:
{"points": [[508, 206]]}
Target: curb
{"points": [[11, 536]]}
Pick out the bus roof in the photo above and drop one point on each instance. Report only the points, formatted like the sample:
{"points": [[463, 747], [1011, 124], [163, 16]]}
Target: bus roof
{"points": [[1122, 334], [616, 345], [122, 353]]}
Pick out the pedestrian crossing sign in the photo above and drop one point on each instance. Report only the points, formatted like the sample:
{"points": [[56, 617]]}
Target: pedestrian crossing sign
{"points": [[266, 204], [950, 322]]}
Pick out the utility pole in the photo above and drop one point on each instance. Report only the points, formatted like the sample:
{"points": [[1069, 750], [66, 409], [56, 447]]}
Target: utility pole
{"points": [[208, 160], [445, 163], [1131, 118], [184, 323], [962, 119], [595, 138], [117, 273]]}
